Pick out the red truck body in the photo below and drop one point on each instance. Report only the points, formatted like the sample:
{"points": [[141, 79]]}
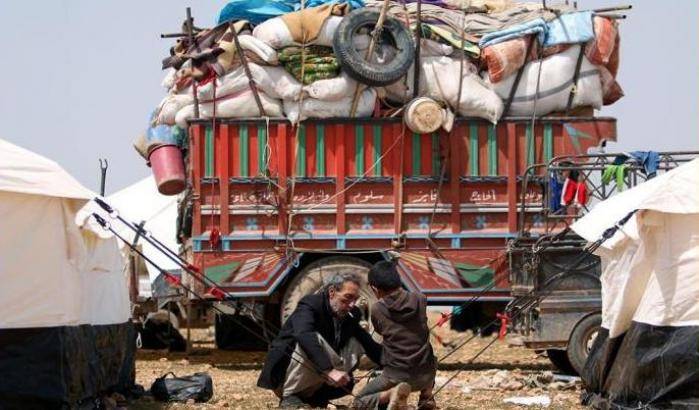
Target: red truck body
{"points": [[265, 193]]}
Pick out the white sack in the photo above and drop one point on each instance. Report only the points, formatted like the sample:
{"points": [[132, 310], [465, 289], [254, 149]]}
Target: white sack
{"points": [[275, 33], [274, 81], [240, 106], [313, 108], [555, 84], [169, 107], [439, 80], [169, 79], [331, 89], [327, 31], [259, 47], [431, 48]]}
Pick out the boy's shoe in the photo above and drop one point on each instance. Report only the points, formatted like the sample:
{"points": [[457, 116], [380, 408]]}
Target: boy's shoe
{"points": [[427, 404], [399, 397]]}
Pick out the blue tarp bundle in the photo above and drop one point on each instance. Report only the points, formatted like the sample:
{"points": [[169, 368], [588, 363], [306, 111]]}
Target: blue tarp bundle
{"points": [[569, 28], [257, 11]]}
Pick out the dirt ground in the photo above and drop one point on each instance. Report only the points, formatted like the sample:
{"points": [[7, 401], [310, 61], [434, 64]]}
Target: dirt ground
{"points": [[503, 371]]}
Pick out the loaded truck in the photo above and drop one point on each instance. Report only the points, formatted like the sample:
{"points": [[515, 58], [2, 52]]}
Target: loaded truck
{"points": [[272, 209]]}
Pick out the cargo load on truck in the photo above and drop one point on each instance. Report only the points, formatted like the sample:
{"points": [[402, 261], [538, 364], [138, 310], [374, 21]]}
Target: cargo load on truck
{"points": [[486, 59]]}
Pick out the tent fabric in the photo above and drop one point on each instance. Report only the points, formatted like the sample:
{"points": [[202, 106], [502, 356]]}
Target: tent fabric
{"points": [[56, 367], [78, 278], [52, 272], [675, 191], [135, 203], [25, 172], [648, 352], [649, 367], [65, 330]]}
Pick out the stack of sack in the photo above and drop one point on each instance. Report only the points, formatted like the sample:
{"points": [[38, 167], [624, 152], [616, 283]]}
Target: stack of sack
{"points": [[471, 53], [502, 38]]}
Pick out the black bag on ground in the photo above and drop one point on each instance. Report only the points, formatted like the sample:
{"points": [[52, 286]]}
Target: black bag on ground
{"points": [[198, 387]]}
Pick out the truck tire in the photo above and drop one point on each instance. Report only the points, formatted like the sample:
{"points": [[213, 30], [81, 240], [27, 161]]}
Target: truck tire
{"points": [[311, 280], [581, 341], [559, 359], [353, 61]]}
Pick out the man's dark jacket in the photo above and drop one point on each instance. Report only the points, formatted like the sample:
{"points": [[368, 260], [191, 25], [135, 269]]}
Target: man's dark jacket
{"points": [[313, 315]]}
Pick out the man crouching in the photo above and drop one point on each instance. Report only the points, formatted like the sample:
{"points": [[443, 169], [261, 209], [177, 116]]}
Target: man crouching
{"points": [[400, 317], [310, 362]]}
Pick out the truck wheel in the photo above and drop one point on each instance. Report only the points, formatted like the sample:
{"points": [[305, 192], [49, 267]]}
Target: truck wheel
{"points": [[312, 278], [581, 341], [559, 358]]}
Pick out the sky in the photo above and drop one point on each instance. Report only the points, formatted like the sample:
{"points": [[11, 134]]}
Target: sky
{"points": [[80, 77]]}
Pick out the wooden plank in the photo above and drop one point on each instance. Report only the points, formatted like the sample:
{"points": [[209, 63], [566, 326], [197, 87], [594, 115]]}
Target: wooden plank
{"points": [[224, 177], [359, 150], [311, 140], [235, 150], [473, 152], [283, 156], [387, 164], [436, 154], [244, 150], [320, 150], [454, 174], [340, 171], [330, 137], [493, 150], [512, 177], [548, 142], [377, 133], [262, 150], [300, 153], [416, 154], [426, 151], [398, 170], [196, 166], [253, 151], [368, 151]]}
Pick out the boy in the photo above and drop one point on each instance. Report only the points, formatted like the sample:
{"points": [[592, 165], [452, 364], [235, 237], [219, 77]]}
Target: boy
{"points": [[400, 317]]}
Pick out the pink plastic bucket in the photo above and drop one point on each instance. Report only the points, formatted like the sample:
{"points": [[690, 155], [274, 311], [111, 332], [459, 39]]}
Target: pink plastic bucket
{"points": [[168, 169]]}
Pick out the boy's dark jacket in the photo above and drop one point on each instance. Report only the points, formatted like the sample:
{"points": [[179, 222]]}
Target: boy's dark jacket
{"points": [[401, 319]]}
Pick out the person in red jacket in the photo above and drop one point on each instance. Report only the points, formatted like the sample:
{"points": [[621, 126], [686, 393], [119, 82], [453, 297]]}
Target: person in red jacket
{"points": [[408, 361]]}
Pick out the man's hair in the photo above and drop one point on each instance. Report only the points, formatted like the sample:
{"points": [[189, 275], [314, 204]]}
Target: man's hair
{"points": [[337, 280], [383, 275]]}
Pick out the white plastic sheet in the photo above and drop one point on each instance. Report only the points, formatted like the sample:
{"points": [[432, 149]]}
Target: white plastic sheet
{"points": [[650, 268]]}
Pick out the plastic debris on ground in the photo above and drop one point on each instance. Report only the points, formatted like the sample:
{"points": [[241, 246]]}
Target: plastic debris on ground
{"points": [[543, 401]]}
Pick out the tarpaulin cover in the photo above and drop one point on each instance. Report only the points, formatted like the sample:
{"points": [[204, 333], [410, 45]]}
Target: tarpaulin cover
{"points": [[257, 11], [53, 366], [647, 367]]}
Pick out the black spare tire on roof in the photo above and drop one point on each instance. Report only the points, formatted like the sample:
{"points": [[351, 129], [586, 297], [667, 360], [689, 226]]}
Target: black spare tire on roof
{"points": [[354, 62]]}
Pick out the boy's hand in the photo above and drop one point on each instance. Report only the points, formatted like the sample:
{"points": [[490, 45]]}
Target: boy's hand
{"points": [[338, 378]]}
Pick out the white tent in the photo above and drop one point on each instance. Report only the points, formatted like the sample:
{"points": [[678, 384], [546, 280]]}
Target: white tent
{"points": [[650, 292], [139, 202], [52, 272], [63, 295]]}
